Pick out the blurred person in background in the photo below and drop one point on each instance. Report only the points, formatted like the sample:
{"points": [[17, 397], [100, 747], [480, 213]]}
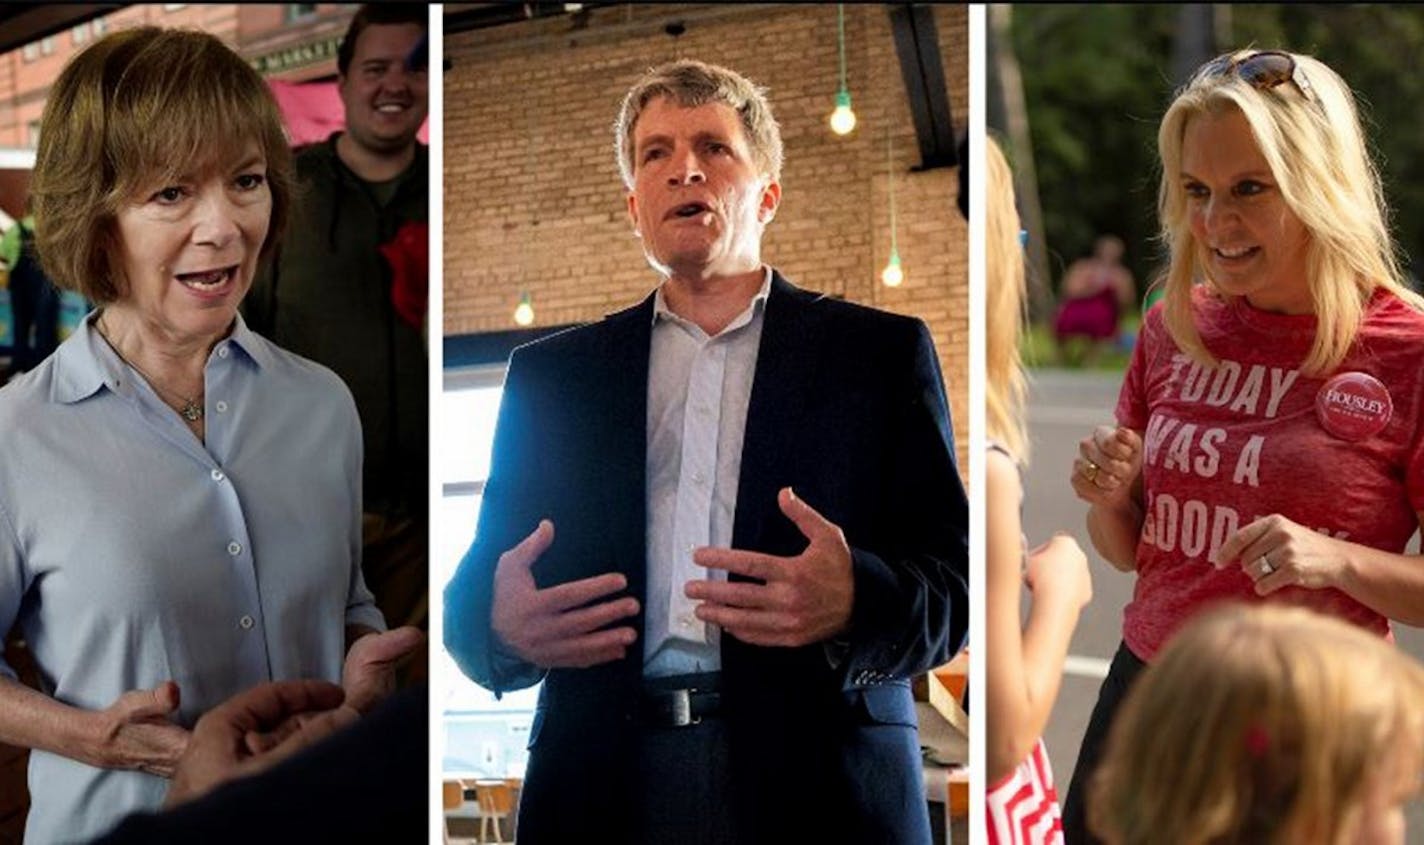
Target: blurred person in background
{"points": [[1025, 665], [34, 302], [1095, 294], [348, 287], [271, 761]]}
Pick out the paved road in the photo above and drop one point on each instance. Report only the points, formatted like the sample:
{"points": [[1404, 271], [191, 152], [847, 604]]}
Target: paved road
{"points": [[1063, 407]]}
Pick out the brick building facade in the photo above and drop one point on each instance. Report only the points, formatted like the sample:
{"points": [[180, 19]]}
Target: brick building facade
{"points": [[290, 41]]}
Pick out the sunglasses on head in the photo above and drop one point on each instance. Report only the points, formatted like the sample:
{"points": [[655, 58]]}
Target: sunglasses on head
{"points": [[1265, 70]]}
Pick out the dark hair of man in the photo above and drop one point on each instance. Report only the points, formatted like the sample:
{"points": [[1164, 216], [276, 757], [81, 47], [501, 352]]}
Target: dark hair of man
{"points": [[379, 14]]}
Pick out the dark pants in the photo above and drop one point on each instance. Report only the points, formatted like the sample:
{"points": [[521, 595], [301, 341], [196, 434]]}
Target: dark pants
{"points": [[683, 777], [34, 304], [683, 785], [1124, 670]]}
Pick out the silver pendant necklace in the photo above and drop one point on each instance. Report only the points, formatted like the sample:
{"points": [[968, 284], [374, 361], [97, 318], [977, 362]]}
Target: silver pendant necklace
{"points": [[192, 410]]}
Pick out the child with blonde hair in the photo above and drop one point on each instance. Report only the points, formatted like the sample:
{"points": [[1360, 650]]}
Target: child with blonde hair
{"points": [[1265, 725], [1025, 665]]}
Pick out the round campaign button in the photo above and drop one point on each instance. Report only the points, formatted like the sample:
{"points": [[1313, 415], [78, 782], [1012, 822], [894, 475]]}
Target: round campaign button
{"points": [[1353, 406]]}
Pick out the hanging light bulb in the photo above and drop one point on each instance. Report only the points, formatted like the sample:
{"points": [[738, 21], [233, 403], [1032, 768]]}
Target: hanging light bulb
{"points": [[842, 119], [892, 275], [524, 312]]}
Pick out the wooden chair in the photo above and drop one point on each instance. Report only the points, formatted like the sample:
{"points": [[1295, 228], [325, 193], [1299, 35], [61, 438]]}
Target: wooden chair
{"points": [[452, 795], [496, 802], [956, 815], [946, 690]]}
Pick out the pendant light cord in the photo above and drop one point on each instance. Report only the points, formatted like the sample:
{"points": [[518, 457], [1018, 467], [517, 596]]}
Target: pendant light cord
{"points": [[890, 176], [840, 38]]}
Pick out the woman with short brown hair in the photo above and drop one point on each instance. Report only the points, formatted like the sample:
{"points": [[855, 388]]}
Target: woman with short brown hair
{"points": [[179, 499]]}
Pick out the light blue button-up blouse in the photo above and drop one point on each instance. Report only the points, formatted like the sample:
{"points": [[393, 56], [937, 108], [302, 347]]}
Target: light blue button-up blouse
{"points": [[132, 553]]}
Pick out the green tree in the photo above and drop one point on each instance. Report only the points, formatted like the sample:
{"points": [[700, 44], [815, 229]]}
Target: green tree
{"points": [[1095, 83]]}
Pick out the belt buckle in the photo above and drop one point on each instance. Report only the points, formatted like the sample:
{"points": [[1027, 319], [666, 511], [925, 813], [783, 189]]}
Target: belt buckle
{"points": [[680, 705]]}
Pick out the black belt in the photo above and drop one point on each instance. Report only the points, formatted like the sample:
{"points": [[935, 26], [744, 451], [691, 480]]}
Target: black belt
{"points": [[680, 700]]}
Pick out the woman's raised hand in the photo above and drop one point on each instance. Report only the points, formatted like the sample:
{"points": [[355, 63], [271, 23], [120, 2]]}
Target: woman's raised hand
{"points": [[1109, 461]]}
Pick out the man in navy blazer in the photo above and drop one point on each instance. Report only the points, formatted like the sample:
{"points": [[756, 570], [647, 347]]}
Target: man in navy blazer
{"points": [[723, 526]]}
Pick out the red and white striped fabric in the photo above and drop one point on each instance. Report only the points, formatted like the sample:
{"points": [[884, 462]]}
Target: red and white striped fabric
{"points": [[1023, 807]]}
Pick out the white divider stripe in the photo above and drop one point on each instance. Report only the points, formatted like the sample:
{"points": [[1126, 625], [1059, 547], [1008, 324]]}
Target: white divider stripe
{"points": [[1086, 667]]}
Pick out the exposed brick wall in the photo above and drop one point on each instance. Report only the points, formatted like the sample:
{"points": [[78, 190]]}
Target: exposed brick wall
{"points": [[533, 199]]}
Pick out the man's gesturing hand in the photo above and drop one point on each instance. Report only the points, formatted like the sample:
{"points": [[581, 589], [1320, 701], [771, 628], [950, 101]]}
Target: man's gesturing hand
{"points": [[254, 730], [801, 600], [552, 628]]}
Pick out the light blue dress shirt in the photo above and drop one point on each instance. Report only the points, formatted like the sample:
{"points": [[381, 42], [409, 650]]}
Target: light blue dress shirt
{"points": [[699, 388], [132, 553]]}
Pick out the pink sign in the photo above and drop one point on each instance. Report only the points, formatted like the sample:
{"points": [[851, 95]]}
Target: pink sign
{"points": [[312, 111]]}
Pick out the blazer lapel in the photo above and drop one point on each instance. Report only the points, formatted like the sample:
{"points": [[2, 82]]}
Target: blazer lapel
{"points": [[625, 392], [625, 388], [785, 372]]}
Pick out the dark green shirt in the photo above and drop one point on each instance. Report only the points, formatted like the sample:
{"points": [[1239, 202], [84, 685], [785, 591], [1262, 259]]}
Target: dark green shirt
{"points": [[326, 295]]}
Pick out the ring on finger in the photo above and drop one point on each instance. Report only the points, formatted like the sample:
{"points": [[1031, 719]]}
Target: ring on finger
{"points": [[1090, 472], [1264, 566]]}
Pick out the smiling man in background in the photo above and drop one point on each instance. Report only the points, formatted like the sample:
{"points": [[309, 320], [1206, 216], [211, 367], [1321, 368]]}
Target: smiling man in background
{"points": [[724, 526], [347, 288]]}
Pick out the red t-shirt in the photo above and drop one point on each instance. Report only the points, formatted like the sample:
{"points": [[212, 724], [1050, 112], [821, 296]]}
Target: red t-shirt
{"points": [[1223, 447]]}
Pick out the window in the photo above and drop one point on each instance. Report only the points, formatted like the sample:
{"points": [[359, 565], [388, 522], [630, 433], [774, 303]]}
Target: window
{"points": [[34, 133], [31, 51], [80, 34], [173, 7], [484, 737], [47, 45], [100, 27], [298, 11]]}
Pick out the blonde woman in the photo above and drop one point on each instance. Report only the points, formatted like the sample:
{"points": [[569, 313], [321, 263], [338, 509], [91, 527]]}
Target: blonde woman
{"points": [[1300, 728], [1024, 665], [1268, 445]]}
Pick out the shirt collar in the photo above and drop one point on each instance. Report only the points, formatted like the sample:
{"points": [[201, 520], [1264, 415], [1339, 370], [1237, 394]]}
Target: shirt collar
{"points": [[79, 365], [661, 311], [85, 362], [251, 344]]}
